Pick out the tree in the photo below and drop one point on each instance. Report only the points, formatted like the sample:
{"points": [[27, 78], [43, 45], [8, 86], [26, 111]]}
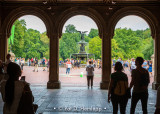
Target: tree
{"points": [[95, 47], [68, 44], [93, 33], [70, 29]]}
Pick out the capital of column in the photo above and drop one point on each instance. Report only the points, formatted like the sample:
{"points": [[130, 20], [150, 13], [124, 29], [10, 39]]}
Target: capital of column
{"points": [[54, 35], [106, 35]]}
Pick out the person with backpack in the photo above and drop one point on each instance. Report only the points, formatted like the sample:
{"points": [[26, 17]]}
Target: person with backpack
{"points": [[140, 81], [90, 74], [118, 89]]}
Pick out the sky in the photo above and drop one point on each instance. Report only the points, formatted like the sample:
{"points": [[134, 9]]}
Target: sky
{"points": [[84, 23]]}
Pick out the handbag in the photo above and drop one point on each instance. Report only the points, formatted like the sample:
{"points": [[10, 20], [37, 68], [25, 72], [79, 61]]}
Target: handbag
{"points": [[26, 105]]}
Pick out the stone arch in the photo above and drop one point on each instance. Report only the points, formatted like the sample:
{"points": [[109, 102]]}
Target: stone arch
{"points": [[138, 11], [81, 11], [21, 11]]}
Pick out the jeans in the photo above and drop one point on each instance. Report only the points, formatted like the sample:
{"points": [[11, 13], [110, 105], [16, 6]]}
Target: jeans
{"points": [[90, 79], [121, 101], [67, 70], [143, 96]]}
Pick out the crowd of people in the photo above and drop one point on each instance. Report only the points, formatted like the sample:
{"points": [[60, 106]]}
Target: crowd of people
{"points": [[32, 62], [79, 63], [130, 64], [119, 88]]}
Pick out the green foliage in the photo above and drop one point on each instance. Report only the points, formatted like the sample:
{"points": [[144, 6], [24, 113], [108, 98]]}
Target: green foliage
{"points": [[70, 29], [131, 44], [29, 43], [95, 47], [68, 44], [126, 43], [93, 33]]}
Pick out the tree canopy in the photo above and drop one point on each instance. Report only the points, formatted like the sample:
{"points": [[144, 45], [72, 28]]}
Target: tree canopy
{"points": [[125, 44]]}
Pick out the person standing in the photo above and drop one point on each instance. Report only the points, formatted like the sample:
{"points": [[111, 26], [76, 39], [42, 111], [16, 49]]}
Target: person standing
{"points": [[145, 64], [133, 66], [68, 66], [22, 63], [6, 65], [150, 67], [140, 81], [35, 65], [118, 89], [48, 65], [44, 64], [90, 74]]}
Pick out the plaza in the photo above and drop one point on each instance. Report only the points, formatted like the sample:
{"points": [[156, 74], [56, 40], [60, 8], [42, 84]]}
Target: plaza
{"points": [[74, 96]]}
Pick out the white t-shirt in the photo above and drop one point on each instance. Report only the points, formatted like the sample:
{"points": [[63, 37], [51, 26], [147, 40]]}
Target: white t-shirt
{"points": [[69, 65]]}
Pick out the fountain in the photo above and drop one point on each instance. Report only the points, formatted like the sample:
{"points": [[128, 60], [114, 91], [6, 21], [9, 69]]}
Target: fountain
{"points": [[82, 55]]}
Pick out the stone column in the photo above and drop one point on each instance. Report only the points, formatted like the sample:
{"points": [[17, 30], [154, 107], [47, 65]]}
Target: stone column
{"points": [[156, 82], [3, 46], [54, 82], [106, 61]]}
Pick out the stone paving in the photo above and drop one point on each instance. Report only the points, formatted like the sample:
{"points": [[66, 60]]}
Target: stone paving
{"points": [[74, 97], [73, 100], [74, 79]]}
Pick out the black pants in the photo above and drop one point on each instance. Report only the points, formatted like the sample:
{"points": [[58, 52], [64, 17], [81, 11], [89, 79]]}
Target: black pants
{"points": [[90, 79], [121, 101], [144, 100]]}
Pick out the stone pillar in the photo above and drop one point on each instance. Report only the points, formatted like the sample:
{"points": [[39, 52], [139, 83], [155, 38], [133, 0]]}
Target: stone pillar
{"points": [[54, 82], [156, 82], [3, 46], [106, 61]]}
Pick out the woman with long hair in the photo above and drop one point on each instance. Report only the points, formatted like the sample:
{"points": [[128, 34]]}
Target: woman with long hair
{"points": [[12, 89], [118, 89]]}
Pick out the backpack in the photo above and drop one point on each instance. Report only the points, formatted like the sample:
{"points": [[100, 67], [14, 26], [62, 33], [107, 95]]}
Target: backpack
{"points": [[90, 70], [121, 88]]}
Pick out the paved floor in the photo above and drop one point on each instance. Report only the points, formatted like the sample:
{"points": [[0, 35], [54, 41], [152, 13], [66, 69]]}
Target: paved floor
{"points": [[73, 100], [74, 97], [74, 79]]}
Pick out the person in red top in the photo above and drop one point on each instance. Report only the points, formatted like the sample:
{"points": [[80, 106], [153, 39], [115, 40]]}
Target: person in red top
{"points": [[32, 61], [68, 67]]}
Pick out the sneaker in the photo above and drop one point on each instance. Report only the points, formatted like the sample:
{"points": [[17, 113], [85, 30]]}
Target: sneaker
{"points": [[33, 70]]}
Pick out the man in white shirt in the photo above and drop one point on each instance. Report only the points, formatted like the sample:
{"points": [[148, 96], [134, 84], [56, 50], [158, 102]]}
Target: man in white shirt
{"points": [[90, 74], [68, 66]]}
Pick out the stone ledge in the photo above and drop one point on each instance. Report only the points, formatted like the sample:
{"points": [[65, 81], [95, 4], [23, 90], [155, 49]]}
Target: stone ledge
{"points": [[155, 85], [53, 85]]}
